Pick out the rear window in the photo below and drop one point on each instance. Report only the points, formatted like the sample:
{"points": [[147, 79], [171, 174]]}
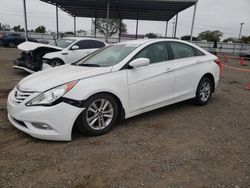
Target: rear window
{"points": [[95, 44], [181, 50]]}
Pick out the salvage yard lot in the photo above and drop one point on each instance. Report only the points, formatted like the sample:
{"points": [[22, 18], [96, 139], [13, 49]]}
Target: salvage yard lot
{"points": [[181, 145]]}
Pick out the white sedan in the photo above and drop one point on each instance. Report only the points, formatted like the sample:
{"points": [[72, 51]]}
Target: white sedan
{"points": [[67, 50], [115, 82]]}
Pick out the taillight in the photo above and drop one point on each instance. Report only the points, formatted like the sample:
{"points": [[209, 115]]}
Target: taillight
{"points": [[219, 63]]}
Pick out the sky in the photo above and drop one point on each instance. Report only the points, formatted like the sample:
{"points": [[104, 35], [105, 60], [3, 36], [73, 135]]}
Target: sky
{"points": [[223, 15]]}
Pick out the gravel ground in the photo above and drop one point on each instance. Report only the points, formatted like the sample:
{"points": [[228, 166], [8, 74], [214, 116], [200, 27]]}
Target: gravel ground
{"points": [[181, 145]]}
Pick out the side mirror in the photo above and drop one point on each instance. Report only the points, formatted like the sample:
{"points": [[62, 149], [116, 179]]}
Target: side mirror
{"points": [[75, 47], [140, 62]]}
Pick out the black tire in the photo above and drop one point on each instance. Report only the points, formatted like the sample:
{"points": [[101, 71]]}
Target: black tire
{"points": [[11, 44], [85, 128], [56, 62], [202, 98]]}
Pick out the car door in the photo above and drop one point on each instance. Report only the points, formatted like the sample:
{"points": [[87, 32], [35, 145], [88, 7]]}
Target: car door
{"points": [[153, 84], [18, 39], [186, 62], [85, 48]]}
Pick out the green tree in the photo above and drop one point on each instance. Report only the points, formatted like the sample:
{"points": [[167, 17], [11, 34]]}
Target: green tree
{"points": [[230, 39], [245, 39], [69, 33], [18, 28], [210, 36], [112, 29], [4, 27], [40, 29], [151, 35]]}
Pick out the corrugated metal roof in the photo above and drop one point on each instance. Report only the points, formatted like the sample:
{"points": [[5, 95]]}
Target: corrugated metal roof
{"points": [[160, 10]]}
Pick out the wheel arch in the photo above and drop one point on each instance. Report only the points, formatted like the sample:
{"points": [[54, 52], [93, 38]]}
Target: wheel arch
{"points": [[57, 58], [121, 110]]}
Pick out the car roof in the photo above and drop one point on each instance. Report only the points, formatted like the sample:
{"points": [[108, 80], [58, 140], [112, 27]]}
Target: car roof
{"points": [[145, 41], [80, 38]]}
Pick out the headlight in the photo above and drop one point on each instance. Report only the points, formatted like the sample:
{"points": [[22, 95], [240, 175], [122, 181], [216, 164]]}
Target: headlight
{"points": [[52, 95]]}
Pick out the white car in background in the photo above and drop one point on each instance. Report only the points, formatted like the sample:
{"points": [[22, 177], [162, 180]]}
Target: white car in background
{"points": [[115, 82], [67, 50]]}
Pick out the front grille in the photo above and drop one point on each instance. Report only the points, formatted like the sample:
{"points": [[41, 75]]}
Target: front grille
{"points": [[20, 96]]}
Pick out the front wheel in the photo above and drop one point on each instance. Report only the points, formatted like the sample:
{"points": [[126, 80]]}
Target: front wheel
{"points": [[56, 62], [204, 92], [99, 116], [11, 44]]}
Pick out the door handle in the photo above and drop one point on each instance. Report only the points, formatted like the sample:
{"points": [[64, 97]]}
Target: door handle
{"points": [[64, 53], [169, 69]]}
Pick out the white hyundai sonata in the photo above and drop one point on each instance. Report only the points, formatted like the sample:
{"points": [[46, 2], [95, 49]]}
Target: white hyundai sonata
{"points": [[115, 82]]}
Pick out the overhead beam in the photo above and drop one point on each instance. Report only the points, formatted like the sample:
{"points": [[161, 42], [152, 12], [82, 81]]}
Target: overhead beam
{"points": [[148, 9]]}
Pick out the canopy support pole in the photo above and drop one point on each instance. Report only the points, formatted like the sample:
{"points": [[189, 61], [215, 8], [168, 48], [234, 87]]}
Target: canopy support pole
{"points": [[136, 34], [107, 23], [74, 26], [192, 27], [175, 28], [95, 26], [57, 24], [25, 20], [166, 31], [120, 30]]}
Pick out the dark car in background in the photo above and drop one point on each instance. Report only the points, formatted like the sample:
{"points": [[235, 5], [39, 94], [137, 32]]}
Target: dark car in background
{"points": [[13, 39]]}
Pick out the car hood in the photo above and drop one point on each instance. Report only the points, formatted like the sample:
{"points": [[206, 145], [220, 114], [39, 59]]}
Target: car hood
{"points": [[30, 46], [47, 79]]}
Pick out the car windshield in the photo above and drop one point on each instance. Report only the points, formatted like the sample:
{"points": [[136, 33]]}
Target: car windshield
{"points": [[107, 56], [62, 43]]}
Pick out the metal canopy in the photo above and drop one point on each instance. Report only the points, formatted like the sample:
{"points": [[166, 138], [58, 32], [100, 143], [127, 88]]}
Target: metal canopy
{"points": [[157, 10]]}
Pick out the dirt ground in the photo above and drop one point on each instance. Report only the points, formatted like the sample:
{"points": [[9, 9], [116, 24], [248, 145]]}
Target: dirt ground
{"points": [[181, 145]]}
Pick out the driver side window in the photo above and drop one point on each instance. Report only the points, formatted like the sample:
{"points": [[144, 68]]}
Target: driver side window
{"points": [[155, 53]]}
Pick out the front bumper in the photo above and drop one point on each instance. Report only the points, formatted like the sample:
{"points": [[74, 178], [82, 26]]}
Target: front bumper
{"points": [[59, 118]]}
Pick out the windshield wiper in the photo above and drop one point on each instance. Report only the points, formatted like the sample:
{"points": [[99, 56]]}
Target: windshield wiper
{"points": [[89, 65]]}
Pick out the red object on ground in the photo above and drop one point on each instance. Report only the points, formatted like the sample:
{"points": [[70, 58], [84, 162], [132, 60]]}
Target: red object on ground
{"points": [[242, 62], [248, 86], [225, 58], [219, 63]]}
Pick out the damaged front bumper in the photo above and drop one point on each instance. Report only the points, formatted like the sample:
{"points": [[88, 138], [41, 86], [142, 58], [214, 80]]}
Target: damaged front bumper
{"points": [[31, 59], [30, 66]]}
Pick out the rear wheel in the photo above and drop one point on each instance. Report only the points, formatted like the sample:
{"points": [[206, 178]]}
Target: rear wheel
{"points": [[11, 44], [56, 62], [204, 92], [99, 116]]}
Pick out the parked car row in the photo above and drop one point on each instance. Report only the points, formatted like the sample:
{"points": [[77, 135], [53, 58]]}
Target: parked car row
{"points": [[115, 82]]}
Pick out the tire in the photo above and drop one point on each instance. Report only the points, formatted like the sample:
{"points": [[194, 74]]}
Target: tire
{"points": [[11, 44], [204, 92], [96, 120], [56, 62]]}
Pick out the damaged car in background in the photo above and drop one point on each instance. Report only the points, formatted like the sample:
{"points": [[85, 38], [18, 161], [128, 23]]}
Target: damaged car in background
{"points": [[36, 56]]}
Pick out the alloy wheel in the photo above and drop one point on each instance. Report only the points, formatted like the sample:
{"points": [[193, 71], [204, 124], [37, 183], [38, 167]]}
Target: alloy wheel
{"points": [[205, 91], [99, 114]]}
